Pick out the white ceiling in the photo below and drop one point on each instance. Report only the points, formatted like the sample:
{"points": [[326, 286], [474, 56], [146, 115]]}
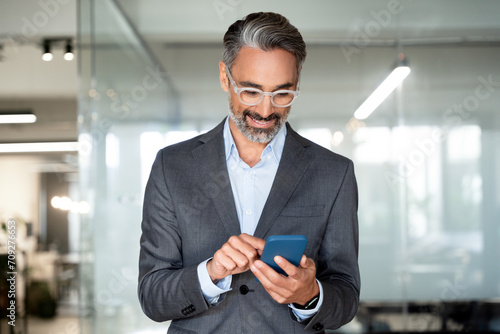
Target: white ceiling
{"points": [[319, 20], [23, 26]]}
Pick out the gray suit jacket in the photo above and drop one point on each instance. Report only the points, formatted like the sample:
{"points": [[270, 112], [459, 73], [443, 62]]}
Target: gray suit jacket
{"points": [[189, 212]]}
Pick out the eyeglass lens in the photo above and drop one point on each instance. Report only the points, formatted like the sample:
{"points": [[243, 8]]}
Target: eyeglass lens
{"points": [[251, 96]]}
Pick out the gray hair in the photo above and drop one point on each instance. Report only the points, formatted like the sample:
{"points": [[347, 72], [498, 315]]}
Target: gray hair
{"points": [[265, 31]]}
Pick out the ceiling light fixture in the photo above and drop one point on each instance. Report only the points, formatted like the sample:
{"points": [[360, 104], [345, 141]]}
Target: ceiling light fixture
{"points": [[39, 147], [69, 55], [47, 55], [65, 43], [17, 117], [384, 89]]}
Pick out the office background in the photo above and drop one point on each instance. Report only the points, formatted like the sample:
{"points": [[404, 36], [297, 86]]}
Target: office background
{"points": [[145, 75]]}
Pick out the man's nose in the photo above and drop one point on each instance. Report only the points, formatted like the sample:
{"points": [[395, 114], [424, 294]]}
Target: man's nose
{"points": [[265, 107]]}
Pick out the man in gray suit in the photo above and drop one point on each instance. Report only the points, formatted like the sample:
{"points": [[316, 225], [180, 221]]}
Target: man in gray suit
{"points": [[211, 201]]}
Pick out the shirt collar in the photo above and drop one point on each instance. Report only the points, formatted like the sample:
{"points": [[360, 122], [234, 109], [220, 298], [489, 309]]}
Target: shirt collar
{"points": [[275, 147]]}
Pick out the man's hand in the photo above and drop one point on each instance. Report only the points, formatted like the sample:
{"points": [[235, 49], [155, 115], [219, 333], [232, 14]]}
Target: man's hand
{"points": [[299, 287], [235, 256]]}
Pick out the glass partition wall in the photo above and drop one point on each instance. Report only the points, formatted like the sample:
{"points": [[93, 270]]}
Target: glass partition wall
{"points": [[124, 92], [427, 163]]}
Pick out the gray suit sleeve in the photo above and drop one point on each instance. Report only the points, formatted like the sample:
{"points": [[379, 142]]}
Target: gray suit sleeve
{"points": [[167, 290], [337, 265]]}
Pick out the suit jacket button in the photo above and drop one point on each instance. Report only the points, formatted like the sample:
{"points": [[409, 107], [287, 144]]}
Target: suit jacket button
{"points": [[188, 310], [244, 289], [318, 327]]}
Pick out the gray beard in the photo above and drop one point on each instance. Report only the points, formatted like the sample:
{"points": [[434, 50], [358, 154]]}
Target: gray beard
{"points": [[257, 135]]}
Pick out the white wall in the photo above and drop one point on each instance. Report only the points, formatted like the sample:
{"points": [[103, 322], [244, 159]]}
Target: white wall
{"points": [[20, 188]]}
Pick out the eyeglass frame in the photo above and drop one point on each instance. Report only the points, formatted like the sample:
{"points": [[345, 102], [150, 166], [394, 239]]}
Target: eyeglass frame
{"points": [[238, 91]]}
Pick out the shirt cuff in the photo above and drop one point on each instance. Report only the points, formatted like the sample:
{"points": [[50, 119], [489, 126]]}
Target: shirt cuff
{"points": [[212, 291], [302, 315]]}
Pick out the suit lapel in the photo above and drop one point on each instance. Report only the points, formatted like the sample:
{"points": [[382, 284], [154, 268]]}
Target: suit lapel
{"points": [[211, 158], [294, 162]]}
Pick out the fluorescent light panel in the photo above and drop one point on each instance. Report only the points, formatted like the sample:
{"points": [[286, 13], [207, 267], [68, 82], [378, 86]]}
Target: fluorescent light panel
{"points": [[17, 118], [39, 147], [380, 94]]}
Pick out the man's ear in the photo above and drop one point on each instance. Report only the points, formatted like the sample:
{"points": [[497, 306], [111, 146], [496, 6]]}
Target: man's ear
{"points": [[224, 81]]}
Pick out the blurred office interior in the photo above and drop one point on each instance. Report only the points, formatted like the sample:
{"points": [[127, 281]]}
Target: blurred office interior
{"points": [[145, 75]]}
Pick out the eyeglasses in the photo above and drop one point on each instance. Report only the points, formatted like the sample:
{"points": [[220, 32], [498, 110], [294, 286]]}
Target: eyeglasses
{"points": [[253, 96]]}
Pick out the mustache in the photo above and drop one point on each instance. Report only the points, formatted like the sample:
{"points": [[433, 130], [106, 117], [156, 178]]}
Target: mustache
{"points": [[257, 117]]}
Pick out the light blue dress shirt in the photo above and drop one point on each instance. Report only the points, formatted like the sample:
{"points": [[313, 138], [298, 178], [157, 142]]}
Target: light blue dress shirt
{"points": [[251, 187]]}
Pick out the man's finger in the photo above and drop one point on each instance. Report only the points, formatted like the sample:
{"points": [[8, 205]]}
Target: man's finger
{"points": [[271, 275], [256, 243], [288, 268], [224, 261], [243, 244], [304, 262], [273, 282]]}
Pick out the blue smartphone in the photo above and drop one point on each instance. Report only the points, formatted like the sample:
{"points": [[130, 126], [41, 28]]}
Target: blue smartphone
{"points": [[290, 247]]}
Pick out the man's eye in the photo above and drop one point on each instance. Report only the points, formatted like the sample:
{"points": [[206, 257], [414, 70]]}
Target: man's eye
{"points": [[250, 93]]}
